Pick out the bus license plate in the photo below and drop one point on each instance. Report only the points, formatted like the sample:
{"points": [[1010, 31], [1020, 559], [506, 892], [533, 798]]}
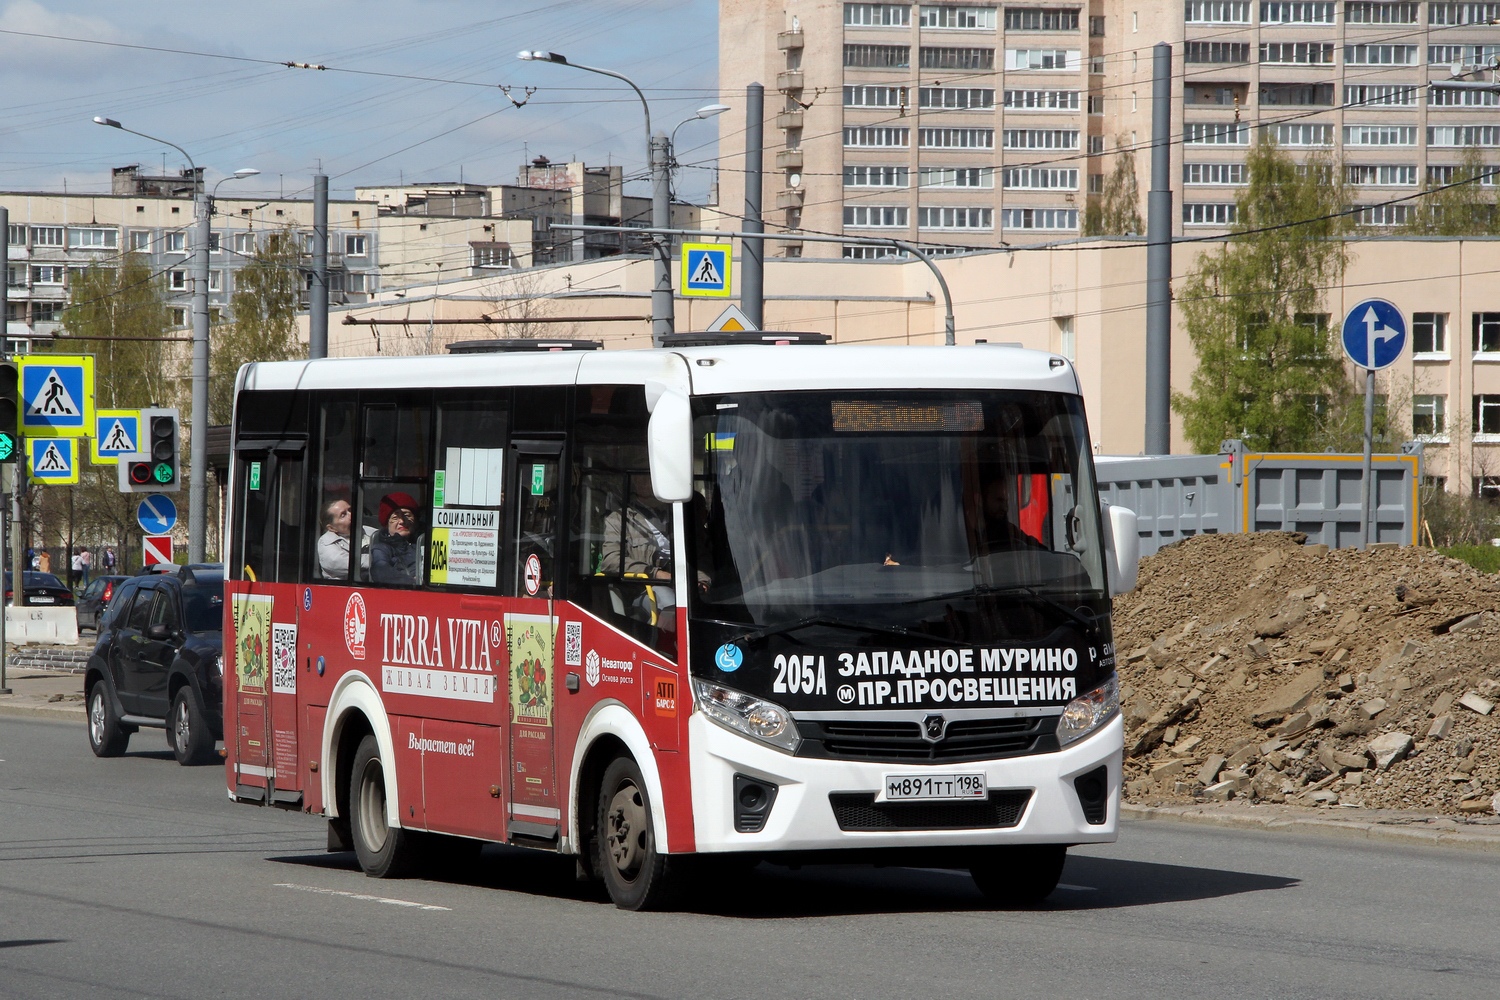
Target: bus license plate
{"points": [[915, 787]]}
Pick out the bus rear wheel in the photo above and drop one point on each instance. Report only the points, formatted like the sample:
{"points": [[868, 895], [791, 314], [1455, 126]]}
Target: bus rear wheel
{"points": [[637, 875], [1019, 876], [383, 851]]}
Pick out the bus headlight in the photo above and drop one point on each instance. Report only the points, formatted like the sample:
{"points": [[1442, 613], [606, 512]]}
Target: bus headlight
{"points": [[743, 713], [1089, 711]]}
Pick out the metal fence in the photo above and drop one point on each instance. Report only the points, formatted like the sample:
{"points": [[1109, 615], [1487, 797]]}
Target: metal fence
{"points": [[1177, 496]]}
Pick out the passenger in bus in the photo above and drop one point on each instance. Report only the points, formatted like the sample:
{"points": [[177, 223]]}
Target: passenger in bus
{"points": [[396, 548], [333, 543]]}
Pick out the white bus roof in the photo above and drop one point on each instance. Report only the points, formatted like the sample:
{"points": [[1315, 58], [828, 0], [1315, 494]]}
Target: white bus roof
{"points": [[700, 370]]}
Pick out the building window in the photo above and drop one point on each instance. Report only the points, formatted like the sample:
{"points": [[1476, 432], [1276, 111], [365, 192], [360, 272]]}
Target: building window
{"points": [[875, 97], [140, 241], [1439, 96], [1487, 488], [1470, 56], [957, 98], [1096, 104], [93, 239], [174, 242], [883, 177], [1460, 136], [1096, 26], [1096, 65], [869, 253], [1380, 55], [1053, 219], [1429, 333], [956, 138], [1380, 13], [1213, 173], [356, 246], [1096, 145], [1045, 100], [957, 177], [877, 15], [1217, 52], [177, 281], [1217, 11], [966, 18], [244, 244], [1304, 135], [1486, 415], [1297, 94], [946, 217], [46, 236], [1487, 333], [1042, 59], [877, 56], [215, 281], [1428, 415], [1382, 95], [1040, 19], [357, 282], [870, 137], [1041, 138], [1218, 214], [1380, 135], [179, 317], [1440, 174], [1216, 134], [1040, 179], [46, 312], [486, 255], [1382, 175], [15, 276], [47, 274], [875, 216], [1462, 13], [952, 57], [1383, 215], [1297, 13], [16, 235], [1298, 53]]}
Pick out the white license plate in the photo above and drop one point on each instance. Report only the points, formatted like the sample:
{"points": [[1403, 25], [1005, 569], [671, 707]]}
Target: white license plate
{"points": [[43, 600], [916, 787]]}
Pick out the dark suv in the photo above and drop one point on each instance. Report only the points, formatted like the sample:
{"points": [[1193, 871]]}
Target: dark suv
{"points": [[159, 663]]}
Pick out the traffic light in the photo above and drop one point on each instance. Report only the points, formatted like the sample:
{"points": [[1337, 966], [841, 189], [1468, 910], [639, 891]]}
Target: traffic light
{"points": [[10, 411], [157, 466]]}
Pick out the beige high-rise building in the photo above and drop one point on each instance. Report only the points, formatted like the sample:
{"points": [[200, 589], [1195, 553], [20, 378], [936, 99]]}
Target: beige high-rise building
{"points": [[981, 124]]}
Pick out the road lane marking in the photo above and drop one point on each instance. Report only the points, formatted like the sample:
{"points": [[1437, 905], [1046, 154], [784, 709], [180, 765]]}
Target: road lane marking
{"points": [[1077, 888], [360, 896]]}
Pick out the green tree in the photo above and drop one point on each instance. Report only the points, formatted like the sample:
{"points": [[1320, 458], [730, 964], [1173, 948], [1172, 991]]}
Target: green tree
{"points": [[263, 319], [1116, 212], [1462, 207], [1269, 370]]}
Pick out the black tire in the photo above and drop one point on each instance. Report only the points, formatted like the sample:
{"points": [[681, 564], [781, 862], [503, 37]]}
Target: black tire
{"points": [[187, 732], [107, 738], [637, 876], [1018, 876], [383, 851]]}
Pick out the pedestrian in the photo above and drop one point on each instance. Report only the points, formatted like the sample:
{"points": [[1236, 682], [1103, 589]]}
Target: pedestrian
{"points": [[109, 560], [33, 560], [44, 561], [86, 560], [75, 570]]}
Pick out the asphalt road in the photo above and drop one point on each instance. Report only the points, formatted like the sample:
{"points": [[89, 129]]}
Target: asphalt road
{"points": [[138, 878]]}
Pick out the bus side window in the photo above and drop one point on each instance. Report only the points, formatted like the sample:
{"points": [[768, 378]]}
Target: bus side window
{"points": [[336, 523], [470, 467], [393, 492]]}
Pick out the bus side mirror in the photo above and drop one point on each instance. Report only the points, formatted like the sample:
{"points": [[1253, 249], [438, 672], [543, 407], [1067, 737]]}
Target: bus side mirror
{"points": [[1122, 548], [669, 439]]}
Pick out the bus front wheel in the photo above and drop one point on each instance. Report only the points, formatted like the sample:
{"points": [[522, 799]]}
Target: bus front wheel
{"points": [[636, 874], [1019, 876], [383, 851]]}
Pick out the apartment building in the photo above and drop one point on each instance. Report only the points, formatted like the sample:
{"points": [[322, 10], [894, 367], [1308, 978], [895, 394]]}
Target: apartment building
{"points": [[54, 237], [961, 125], [1392, 91]]}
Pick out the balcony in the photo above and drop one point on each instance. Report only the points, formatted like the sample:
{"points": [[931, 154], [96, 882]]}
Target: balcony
{"points": [[789, 198], [789, 79], [789, 159], [788, 120], [788, 41]]}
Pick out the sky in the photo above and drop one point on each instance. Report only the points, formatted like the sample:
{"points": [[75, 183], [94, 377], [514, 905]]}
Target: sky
{"points": [[412, 91]]}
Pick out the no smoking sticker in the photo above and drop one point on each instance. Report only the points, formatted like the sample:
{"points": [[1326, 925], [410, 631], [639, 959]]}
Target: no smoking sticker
{"points": [[533, 574]]}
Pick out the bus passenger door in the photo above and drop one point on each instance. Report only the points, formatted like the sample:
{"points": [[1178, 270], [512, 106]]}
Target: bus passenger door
{"points": [[261, 663], [531, 638]]}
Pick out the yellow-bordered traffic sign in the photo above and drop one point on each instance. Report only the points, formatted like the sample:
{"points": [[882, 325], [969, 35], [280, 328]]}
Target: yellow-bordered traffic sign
{"points": [[116, 433], [706, 270], [57, 395], [52, 460]]}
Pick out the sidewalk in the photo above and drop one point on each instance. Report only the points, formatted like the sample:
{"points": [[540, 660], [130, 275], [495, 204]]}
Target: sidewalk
{"points": [[48, 693]]}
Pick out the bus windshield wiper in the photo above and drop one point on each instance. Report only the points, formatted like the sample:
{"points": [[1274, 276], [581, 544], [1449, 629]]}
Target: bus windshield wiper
{"points": [[1089, 623], [849, 624]]}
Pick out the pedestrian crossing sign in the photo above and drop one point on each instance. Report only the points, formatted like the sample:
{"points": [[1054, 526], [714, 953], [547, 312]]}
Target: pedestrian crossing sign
{"points": [[705, 269], [52, 460], [116, 433], [57, 395]]}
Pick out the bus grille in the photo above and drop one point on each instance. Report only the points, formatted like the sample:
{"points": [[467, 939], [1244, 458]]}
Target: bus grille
{"points": [[860, 811], [902, 742]]}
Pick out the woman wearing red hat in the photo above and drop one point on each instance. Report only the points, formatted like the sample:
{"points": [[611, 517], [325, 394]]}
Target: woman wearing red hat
{"points": [[396, 551]]}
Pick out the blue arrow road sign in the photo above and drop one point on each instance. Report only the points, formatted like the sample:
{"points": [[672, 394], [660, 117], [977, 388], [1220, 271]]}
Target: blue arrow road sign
{"points": [[156, 515], [1374, 334]]}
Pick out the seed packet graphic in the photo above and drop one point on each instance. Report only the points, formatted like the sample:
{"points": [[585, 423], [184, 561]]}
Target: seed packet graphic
{"points": [[530, 639], [252, 639]]}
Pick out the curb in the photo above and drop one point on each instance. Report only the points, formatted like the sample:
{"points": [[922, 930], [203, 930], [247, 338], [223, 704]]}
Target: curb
{"points": [[1391, 826], [43, 711]]}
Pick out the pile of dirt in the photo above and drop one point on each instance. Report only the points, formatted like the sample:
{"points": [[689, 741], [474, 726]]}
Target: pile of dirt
{"points": [[1257, 667]]}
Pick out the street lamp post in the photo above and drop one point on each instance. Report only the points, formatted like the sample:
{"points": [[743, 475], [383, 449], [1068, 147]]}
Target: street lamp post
{"points": [[658, 155], [198, 455]]}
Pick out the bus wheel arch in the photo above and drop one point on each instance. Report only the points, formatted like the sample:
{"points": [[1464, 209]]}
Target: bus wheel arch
{"points": [[608, 733], [355, 710]]}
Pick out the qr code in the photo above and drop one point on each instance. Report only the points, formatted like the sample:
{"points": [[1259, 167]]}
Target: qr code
{"points": [[284, 659], [572, 643]]}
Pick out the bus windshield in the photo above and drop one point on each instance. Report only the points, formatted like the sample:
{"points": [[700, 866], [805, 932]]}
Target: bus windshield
{"points": [[810, 501]]}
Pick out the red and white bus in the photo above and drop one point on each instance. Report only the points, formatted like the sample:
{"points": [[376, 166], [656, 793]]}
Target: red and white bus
{"points": [[793, 603]]}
